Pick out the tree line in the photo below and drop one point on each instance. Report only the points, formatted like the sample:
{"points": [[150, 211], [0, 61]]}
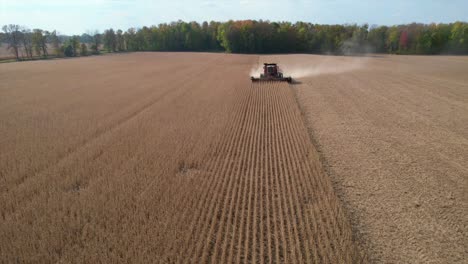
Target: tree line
{"points": [[26, 44], [246, 36]]}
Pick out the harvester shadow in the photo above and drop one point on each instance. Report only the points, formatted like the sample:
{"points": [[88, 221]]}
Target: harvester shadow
{"points": [[295, 82]]}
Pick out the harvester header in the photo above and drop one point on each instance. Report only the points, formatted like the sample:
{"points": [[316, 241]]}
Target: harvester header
{"points": [[271, 73]]}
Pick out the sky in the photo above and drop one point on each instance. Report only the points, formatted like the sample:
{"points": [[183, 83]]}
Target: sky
{"points": [[80, 16]]}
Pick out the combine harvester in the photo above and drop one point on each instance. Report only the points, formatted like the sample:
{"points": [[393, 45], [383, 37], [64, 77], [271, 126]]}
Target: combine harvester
{"points": [[271, 73]]}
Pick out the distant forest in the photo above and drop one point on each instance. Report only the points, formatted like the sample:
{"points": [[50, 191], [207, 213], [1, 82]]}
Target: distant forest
{"points": [[247, 36]]}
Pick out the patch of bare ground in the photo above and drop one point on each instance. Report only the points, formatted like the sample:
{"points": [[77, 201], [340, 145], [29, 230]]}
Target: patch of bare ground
{"points": [[393, 131]]}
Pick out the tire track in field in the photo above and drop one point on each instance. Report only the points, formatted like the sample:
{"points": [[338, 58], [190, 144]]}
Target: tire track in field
{"points": [[267, 198]]}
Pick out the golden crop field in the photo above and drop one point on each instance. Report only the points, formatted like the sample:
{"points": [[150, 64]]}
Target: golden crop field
{"points": [[179, 158], [161, 157]]}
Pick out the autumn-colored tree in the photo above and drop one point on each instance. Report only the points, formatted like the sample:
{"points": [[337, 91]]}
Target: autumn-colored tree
{"points": [[404, 40], [252, 36]]}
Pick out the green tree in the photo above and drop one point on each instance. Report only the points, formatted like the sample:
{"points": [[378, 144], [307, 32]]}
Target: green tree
{"points": [[440, 38], [83, 50], [120, 43], [39, 40], [74, 42], [424, 42], [393, 38], [55, 41], [131, 40], [71, 47], [251, 36], [68, 50], [377, 38], [97, 39], [459, 38], [12, 36], [26, 37], [110, 41]]}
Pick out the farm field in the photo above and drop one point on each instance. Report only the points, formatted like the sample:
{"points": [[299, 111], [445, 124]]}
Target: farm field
{"points": [[178, 157], [6, 54], [166, 157], [393, 134]]}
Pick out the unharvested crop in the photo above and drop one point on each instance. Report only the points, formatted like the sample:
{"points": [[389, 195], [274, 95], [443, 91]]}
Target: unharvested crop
{"points": [[160, 157]]}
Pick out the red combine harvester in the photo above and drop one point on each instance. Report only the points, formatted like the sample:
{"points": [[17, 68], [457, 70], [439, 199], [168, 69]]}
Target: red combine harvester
{"points": [[271, 73]]}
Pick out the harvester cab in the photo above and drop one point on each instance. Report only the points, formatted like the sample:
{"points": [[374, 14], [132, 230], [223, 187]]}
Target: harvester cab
{"points": [[271, 72]]}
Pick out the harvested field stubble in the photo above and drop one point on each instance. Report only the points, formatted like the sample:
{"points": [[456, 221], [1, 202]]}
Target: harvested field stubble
{"points": [[160, 157], [394, 133]]}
